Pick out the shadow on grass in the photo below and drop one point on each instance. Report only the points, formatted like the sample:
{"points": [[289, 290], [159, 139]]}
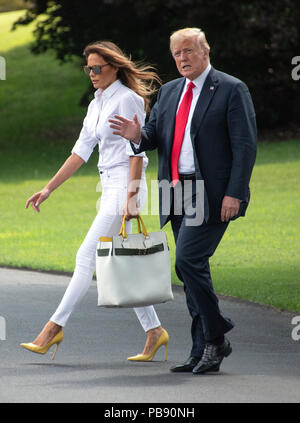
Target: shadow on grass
{"points": [[278, 152], [41, 161], [18, 165]]}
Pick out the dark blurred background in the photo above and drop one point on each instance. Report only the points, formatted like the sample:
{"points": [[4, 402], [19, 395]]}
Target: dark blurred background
{"points": [[252, 40]]}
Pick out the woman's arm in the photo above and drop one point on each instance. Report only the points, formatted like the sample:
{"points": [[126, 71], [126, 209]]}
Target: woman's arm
{"points": [[135, 173], [68, 168]]}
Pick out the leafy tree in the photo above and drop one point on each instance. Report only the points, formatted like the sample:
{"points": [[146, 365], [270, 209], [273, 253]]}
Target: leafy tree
{"points": [[253, 40]]}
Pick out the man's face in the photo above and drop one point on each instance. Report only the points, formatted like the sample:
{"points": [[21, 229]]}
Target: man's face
{"points": [[190, 59]]}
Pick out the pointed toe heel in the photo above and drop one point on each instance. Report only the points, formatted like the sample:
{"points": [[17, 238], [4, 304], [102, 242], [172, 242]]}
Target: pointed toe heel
{"points": [[163, 340], [42, 350]]}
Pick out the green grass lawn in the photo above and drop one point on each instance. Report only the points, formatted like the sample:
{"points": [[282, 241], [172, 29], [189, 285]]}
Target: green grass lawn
{"points": [[259, 256]]}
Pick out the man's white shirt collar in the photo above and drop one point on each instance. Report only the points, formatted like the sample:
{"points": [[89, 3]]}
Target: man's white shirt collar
{"points": [[199, 81]]}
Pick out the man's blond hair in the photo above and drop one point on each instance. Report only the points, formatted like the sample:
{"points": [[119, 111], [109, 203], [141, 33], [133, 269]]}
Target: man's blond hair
{"points": [[185, 33]]}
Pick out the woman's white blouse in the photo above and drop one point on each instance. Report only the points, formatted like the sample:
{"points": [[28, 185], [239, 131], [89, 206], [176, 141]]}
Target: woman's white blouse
{"points": [[114, 150]]}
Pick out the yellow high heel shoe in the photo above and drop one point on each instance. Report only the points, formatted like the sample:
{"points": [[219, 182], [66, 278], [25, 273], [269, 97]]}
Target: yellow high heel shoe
{"points": [[163, 340], [42, 350]]}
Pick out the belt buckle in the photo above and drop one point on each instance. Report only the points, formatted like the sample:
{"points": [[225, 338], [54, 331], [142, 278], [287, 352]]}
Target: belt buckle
{"points": [[187, 176]]}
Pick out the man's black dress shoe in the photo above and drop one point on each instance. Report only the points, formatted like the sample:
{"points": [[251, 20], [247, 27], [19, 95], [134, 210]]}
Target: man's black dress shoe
{"points": [[187, 366], [212, 357]]}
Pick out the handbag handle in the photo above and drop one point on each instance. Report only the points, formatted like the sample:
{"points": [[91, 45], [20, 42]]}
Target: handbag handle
{"points": [[141, 227]]}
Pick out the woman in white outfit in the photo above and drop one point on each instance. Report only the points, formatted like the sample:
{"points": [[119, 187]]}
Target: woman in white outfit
{"points": [[121, 89]]}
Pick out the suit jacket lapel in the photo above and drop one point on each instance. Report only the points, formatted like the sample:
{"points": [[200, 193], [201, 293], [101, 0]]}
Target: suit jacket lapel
{"points": [[208, 91]]}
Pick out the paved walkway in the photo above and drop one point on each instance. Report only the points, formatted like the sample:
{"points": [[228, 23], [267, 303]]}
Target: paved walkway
{"points": [[91, 364]]}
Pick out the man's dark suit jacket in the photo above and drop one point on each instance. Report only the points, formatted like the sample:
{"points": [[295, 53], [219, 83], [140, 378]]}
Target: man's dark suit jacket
{"points": [[223, 133]]}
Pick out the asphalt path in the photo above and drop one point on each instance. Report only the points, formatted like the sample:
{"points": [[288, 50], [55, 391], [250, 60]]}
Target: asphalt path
{"points": [[91, 364]]}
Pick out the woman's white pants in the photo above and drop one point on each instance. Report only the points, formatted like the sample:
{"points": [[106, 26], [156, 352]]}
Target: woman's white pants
{"points": [[106, 223]]}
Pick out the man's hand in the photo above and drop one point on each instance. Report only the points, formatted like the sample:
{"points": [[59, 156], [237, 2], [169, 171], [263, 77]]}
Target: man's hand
{"points": [[230, 208], [129, 129]]}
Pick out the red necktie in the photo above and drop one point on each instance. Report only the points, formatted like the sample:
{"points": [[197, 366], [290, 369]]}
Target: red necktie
{"points": [[180, 124]]}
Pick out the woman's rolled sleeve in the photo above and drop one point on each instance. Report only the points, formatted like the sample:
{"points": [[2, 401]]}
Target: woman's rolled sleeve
{"points": [[130, 152], [129, 106], [85, 144]]}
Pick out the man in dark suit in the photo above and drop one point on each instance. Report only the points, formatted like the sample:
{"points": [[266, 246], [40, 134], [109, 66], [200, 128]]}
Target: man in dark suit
{"points": [[204, 128]]}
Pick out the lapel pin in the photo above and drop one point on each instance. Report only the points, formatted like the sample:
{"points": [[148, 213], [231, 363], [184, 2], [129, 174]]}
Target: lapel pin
{"points": [[211, 88]]}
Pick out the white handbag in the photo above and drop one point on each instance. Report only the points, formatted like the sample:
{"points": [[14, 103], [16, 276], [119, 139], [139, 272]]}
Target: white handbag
{"points": [[133, 270]]}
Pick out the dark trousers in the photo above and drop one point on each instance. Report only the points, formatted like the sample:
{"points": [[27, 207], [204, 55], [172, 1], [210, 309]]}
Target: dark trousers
{"points": [[194, 246]]}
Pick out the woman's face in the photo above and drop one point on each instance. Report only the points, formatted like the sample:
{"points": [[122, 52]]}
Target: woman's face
{"points": [[106, 77]]}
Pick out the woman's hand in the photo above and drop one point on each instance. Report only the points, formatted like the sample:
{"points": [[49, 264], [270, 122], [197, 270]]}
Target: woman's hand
{"points": [[37, 198], [130, 208], [70, 166]]}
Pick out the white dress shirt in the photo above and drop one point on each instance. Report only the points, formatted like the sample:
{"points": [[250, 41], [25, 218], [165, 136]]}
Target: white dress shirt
{"points": [[114, 150], [186, 158]]}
